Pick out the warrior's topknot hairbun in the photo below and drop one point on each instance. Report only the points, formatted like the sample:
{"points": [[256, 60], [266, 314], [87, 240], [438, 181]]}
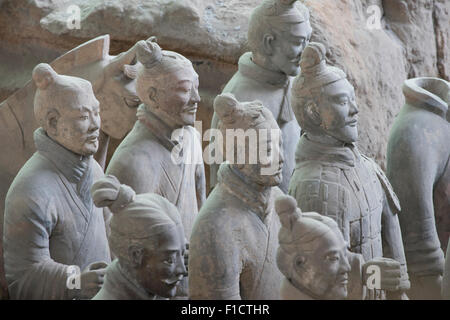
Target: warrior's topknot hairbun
{"points": [[149, 52], [109, 192], [43, 75]]}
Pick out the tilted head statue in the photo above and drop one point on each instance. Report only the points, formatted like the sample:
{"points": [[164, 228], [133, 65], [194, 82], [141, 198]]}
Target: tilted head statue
{"points": [[167, 84], [257, 152], [66, 108], [278, 32], [312, 254], [324, 101], [146, 236]]}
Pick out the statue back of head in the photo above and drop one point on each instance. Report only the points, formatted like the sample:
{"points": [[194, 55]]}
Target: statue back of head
{"points": [[312, 252], [145, 229], [249, 128]]}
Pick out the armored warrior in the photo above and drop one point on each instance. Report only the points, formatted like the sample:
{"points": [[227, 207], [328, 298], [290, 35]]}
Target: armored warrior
{"points": [[316, 263], [52, 228], [331, 176], [418, 166], [278, 32], [234, 239], [148, 238]]}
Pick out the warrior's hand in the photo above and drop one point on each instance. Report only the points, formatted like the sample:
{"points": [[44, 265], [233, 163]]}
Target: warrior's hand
{"points": [[385, 274], [91, 280]]}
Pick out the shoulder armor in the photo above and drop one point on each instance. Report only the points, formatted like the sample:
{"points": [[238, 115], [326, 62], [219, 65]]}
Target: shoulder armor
{"points": [[387, 187]]}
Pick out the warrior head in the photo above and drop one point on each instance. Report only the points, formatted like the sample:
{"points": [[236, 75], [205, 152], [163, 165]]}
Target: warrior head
{"points": [[66, 108], [146, 236], [324, 101], [278, 32], [312, 254], [167, 84]]}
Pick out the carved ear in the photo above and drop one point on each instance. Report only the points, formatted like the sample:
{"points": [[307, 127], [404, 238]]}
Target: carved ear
{"points": [[51, 122], [313, 113], [136, 254], [299, 262], [268, 44], [152, 93]]}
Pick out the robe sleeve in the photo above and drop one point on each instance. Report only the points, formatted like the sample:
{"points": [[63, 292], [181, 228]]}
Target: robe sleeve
{"points": [[214, 262], [30, 271]]}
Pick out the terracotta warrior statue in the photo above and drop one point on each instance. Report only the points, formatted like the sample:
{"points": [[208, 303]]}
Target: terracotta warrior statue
{"points": [[418, 166], [316, 263], [278, 32], [51, 225], [331, 176], [148, 239], [162, 154], [234, 240], [113, 81]]}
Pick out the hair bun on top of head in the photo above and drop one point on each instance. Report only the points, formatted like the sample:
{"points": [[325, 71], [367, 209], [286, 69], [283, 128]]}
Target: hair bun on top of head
{"points": [[287, 210], [109, 192], [235, 114], [225, 105], [43, 75], [148, 52], [313, 58]]}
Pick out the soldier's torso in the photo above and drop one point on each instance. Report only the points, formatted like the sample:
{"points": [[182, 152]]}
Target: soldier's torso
{"points": [[353, 197]]}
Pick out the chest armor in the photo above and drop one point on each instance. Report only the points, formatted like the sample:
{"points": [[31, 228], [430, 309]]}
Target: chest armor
{"points": [[354, 197], [362, 223]]}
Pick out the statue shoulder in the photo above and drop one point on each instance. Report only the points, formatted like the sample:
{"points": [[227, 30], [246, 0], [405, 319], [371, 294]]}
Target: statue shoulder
{"points": [[320, 190], [392, 198]]}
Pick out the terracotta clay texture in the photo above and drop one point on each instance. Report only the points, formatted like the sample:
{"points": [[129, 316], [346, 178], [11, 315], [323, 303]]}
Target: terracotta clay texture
{"points": [[51, 222], [315, 261], [278, 33], [418, 167], [162, 153], [233, 243], [331, 176], [148, 239], [114, 87]]}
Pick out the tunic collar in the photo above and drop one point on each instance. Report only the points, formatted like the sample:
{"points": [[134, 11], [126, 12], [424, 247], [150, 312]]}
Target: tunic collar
{"points": [[77, 169], [250, 69], [156, 126], [416, 94], [253, 71], [72, 165], [343, 157], [247, 192], [289, 292]]}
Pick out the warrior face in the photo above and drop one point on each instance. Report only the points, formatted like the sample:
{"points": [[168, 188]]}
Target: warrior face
{"points": [[338, 111], [324, 269], [175, 99], [76, 125], [287, 47], [162, 263]]}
